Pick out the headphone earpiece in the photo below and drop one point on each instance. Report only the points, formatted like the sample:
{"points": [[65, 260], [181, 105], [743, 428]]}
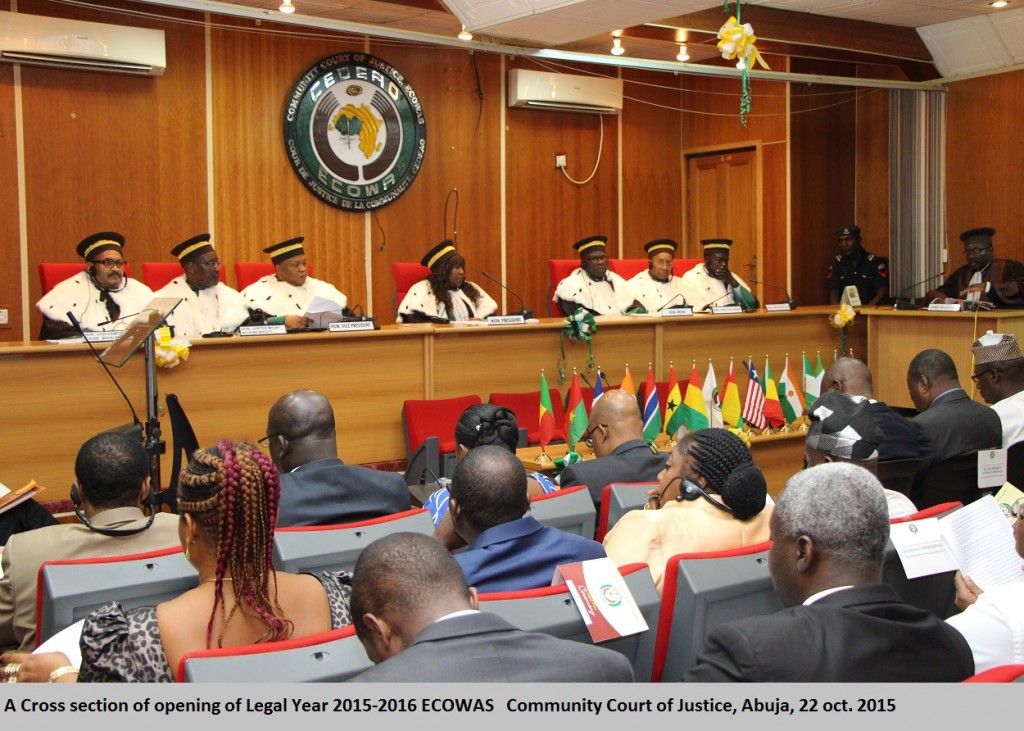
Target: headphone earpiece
{"points": [[150, 503], [91, 270], [688, 490], [76, 498]]}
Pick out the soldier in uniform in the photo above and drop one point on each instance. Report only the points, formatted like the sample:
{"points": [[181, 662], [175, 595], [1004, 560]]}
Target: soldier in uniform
{"points": [[853, 265]]}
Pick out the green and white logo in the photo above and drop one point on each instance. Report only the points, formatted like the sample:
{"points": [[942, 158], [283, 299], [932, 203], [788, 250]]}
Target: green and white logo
{"points": [[354, 131]]}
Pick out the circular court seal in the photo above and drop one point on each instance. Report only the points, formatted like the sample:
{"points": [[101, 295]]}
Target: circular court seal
{"points": [[354, 131]]}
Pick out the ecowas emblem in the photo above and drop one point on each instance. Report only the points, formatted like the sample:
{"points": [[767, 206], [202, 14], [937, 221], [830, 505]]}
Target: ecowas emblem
{"points": [[354, 131]]}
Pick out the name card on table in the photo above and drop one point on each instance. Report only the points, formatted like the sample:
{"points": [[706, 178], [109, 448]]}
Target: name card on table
{"points": [[505, 320], [779, 307], [727, 310], [105, 336], [262, 330], [677, 312], [343, 327], [944, 307]]}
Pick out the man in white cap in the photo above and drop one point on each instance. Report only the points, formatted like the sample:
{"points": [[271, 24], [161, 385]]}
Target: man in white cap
{"points": [[284, 296], [999, 373], [659, 287], [712, 284], [207, 304], [593, 286], [100, 297]]}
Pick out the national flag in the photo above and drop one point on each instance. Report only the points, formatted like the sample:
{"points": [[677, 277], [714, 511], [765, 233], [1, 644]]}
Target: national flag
{"points": [[731, 411], [712, 404], [652, 408], [694, 416], [791, 396], [772, 408], [673, 414], [575, 414], [547, 415], [812, 380], [627, 382], [598, 389], [753, 402]]}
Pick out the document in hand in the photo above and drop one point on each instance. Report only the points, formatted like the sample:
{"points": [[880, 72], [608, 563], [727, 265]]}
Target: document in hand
{"points": [[322, 312], [979, 539]]}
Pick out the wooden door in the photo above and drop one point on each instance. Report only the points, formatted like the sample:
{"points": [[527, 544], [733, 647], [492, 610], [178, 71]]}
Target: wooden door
{"points": [[722, 202]]}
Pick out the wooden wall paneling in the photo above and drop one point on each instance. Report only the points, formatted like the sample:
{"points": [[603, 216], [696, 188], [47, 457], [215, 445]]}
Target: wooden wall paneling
{"points": [[872, 207], [104, 151], [258, 198], [547, 214], [463, 153], [10, 285], [984, 156], [651, 166], [823, 128]]}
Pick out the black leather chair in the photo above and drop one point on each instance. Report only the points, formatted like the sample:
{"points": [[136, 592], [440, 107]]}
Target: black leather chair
{"points": [[898, 474], [1015, 465], [954, 480]]}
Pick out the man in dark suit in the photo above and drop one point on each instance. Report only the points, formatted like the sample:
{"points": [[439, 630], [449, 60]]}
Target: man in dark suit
{"points": [[951, 422], [829, 532], [902, 438], [317, 488], [418, 622], [616, 432]]}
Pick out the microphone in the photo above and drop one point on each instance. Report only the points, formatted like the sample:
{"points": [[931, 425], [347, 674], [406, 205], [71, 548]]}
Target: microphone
{"points": [[78, 327], [712, 303], [789, 300], [524, 312], [905, 303], [671, 301], [122, 317]]}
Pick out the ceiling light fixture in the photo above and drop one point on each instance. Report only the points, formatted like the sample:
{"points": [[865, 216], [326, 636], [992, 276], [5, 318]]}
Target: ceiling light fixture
{"points": [[999, 4], [465, 35], [287, 7], [682, 55], [617, 49]]}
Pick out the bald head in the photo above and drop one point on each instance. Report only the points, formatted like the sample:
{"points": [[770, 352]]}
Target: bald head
{"points": [[301, 426], [615, 419], [849, 376]]}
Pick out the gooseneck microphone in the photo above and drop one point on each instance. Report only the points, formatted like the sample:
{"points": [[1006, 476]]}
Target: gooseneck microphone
{"points": [[671, 301], [905, 303], [712, 303], [123, 317], [789, 300], [78, 328], [523, 311]]}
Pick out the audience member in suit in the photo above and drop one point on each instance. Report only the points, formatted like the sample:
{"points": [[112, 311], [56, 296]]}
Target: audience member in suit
{"points": [[419, 622], [317, 488], [711, 497], [843, 429], [829, 532], [616, 433], [902, 437], [112, 472], [951, 421], [999, 373], [507, 550], [992, 619]]}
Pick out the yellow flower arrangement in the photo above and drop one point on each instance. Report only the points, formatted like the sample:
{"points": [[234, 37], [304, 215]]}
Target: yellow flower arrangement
{"points": [[169, 352], [841, 320]]}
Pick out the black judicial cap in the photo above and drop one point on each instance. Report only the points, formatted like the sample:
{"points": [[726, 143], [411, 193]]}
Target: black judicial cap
{"points": [[978, 235], [438, 254], [98, 243], [285, 250], [659, 245], [590, 242], [193, 248], [716, 244]]}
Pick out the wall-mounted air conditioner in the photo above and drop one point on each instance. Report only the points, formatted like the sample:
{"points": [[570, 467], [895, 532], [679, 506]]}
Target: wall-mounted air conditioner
{"points": [[564, 92], [39, 40]]}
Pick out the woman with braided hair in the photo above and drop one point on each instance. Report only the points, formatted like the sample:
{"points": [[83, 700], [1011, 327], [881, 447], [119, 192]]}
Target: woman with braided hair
{"points": [[227, 498], [446, 293], [710, 497]]}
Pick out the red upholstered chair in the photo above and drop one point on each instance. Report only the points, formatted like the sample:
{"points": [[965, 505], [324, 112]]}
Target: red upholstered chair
{"points": [[628, 268], [406, 274], [617, 499], [558, 269], [571, 510], [156, 274], [247, 272], [53, 273], [1001, 674], [526, 407], [550, 610], [703, 590], [933, 511], [326, 657], [429, 427]]}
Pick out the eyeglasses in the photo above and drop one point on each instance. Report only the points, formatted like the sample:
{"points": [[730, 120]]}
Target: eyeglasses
{"points": [[977, 376], [263, 441], [209, 264], [111, 263], [587, 438]]}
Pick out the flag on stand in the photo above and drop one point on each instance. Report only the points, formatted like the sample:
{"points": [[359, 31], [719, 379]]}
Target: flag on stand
{"points": [[812, 380], [673, 412], [575, 414], [772, 408], [547, 415], [627, 382], [598, 389], [753, 403], [791, 397], [712, 402], [732, 413], [652, 408], [694, 416]]}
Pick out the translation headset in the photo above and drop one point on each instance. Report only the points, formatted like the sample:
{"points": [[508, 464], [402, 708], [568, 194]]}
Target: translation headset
{"points": [[690, 490], [149, 503]]}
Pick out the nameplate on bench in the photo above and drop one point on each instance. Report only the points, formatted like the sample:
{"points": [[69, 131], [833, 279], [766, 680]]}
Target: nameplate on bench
{"points": [[677, 312], [344, 327], [944, 307], [727, 310], [505, 320], [778, 307], [104, 336], [262, 330]]}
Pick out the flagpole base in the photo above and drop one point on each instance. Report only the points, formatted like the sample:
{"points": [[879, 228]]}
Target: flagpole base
{"points": [[785, 429], [543, 458]]}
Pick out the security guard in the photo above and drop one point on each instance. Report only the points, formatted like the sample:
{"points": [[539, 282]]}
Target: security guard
{"points": [[854, 265]]}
